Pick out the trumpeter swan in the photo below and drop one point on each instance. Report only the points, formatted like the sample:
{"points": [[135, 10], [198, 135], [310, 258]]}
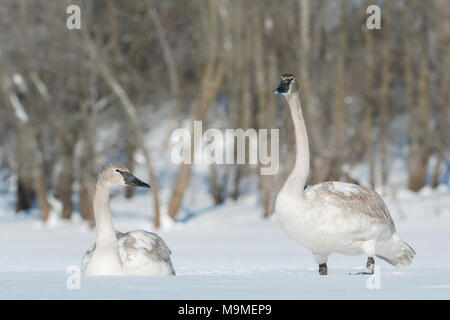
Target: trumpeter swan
{"points": [[333, 216], [136, 252]]}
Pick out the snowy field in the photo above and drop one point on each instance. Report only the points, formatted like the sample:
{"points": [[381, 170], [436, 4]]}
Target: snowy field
{"points": [[225, 252]]}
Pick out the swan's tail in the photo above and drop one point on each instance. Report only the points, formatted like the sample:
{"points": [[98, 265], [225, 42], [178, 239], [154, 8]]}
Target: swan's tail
{"points": [[398, 253]]}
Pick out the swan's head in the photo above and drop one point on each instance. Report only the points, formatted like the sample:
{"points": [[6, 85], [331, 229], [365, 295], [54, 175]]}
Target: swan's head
{"points": [[288, 84], [114, 175]]}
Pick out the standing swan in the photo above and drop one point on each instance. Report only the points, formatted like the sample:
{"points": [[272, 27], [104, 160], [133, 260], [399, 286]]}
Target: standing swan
{"points": [[136, 252], [333, 216]]}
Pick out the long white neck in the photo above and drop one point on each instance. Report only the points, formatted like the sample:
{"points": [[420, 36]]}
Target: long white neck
{"points": [[297, 179], [106, 236], [105, 260]]}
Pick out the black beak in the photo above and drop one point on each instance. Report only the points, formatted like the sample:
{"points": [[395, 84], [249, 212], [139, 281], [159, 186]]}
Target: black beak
{"points": [[131, 180], [283, 87]]}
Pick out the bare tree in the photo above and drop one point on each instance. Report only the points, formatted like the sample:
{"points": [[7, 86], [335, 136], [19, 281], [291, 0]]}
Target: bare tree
{"points": [[386, 81], [33, 155], [370, 101], [132, 117], [217, 61], [211, 79], [418, 144], [171, 65], [320, 165], [340, 114]]}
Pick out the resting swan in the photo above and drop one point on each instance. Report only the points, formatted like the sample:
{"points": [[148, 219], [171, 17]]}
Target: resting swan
{"points": [[114, 253], [333, 216]]}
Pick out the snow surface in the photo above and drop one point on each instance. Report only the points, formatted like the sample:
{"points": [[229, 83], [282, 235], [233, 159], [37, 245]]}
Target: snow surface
{"points": [[224, 252]]}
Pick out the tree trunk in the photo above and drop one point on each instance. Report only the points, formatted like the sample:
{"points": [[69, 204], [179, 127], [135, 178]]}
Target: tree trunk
{"points": [[132, 117], [386, 80], [33, 155], [419, 149], [25, 193], [64, 191], [88, 167], [419, 140], [85, 196], [437, 170], [266, 112], [208, 91], [210, 82], [65, 186], [320, 166], [169, 59], [369, 103], [340, 115]]}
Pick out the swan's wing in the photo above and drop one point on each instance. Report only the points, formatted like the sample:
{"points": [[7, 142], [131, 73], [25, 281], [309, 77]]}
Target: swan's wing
{"points": [[140, 250], [87, 257], [353, 198], [147, 243]]}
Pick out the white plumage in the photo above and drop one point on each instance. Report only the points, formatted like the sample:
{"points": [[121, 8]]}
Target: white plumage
{"points": [[334, 216], [140, 253], [343, 218], [114, 253]]}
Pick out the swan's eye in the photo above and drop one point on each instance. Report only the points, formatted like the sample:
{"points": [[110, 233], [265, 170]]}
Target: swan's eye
{"points": [[117, 170]]}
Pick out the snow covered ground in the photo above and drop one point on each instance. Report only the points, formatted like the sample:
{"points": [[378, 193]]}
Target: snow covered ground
{"points": [[226, 252]]}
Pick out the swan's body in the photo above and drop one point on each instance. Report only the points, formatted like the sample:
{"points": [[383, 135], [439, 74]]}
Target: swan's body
{"points": [[114, 253], [334, 216], [140, 253], [343, 218]]}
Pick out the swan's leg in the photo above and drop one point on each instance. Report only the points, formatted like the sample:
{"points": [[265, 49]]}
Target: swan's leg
{"points": [[322, 262], [370, 267], [323, 270], [369, 249]]}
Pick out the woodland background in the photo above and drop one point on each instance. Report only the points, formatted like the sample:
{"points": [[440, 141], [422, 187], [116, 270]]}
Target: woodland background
{"points": [[71, 100]]}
